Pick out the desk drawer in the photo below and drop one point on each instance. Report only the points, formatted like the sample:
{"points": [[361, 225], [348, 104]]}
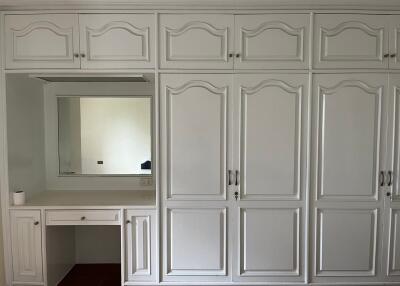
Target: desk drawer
{"points": [[83, 217]]}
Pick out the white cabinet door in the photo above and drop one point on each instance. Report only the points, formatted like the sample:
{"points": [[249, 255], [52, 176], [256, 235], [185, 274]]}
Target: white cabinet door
{"points": [[394, 42], [348, 154], [117, 40], [42, 41], [271, 119], [272, 41], [140, 243], [350, 41], [195, 131], [391, 264], [197, 41], [26, 243], [195, 243]]}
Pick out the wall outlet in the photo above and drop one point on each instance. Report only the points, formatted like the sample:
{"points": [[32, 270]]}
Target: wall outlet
{"points": [[146, 181]]}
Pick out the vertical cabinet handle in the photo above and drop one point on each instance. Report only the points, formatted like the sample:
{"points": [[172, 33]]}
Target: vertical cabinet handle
{"points": [[236, 178], [381, 178], [390, 175], [229, 177]]}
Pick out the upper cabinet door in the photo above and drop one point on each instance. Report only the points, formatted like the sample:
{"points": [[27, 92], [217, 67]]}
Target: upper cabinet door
{"points": [[394, 42], [198, 41], [350, 41], [117, 40], [42, 41], [273, 136], [194, 113], [272, 41], [26, 246]]}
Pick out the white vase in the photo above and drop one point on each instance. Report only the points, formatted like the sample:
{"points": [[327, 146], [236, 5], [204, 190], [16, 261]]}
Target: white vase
{"points": [[19, 198]]}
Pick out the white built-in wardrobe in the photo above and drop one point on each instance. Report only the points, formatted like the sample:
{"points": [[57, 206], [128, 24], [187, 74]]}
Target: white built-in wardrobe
{"points": [[279, 131]]}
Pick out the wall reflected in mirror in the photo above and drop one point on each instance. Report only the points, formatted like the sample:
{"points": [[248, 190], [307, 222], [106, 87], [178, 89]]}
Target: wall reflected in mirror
{"points": [[104, 135]]}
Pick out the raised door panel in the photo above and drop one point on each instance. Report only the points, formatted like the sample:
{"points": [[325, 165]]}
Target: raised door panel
{"points": [[394, 243], [272, 135], [42, 41], [272, 41], [117, 40], [269, 242], [26, 247], [350, 41], [349, 130], [194, 111], [140, 245], [393, 269], [196, 41], [195, 242], [346, 242]]}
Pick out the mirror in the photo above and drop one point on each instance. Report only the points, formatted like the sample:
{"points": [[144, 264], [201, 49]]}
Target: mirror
{"points": [[104, 135]]}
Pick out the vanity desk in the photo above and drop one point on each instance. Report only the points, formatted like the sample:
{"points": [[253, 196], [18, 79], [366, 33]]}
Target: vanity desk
{"points": [[54, 227]]}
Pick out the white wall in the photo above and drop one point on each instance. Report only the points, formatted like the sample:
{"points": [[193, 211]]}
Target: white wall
{"points": [[116, 131], [25, 134]]}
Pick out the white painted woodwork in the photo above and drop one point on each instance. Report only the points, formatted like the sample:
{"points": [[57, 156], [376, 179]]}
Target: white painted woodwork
{"points": [[42, 41], [195, 242], [198, 41], [269, 242], [140, 242], [350, 41], [394, 42], [346, 242], [272, 132], [83, 217], [349, 122], [117, 40], [270, 150], [272, 41], [26, 243], [194, 116], [393, 250], [391, 255]]}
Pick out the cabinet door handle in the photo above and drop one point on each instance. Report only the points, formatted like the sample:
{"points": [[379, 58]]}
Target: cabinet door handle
{"points": [[128, 221], [36, 223], [236, 178], [229, 177], [238, 55], [386, 55], [381, 178], [390, 175], [393, 55], [230, 55], [83, 55], [76, 55]]}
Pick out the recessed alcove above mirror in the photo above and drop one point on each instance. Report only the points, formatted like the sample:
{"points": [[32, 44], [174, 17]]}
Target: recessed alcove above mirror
{"points": [[93, 133]]}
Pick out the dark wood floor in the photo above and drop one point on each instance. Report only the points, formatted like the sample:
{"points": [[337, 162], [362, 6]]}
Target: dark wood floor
{"points": [[93, 275]]}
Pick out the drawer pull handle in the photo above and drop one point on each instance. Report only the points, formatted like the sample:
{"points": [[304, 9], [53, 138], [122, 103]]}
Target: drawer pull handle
{"points": [[83, 218]]}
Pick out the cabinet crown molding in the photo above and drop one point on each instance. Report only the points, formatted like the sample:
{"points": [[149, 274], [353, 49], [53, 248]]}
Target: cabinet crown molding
{"points": [[204, 4]]}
